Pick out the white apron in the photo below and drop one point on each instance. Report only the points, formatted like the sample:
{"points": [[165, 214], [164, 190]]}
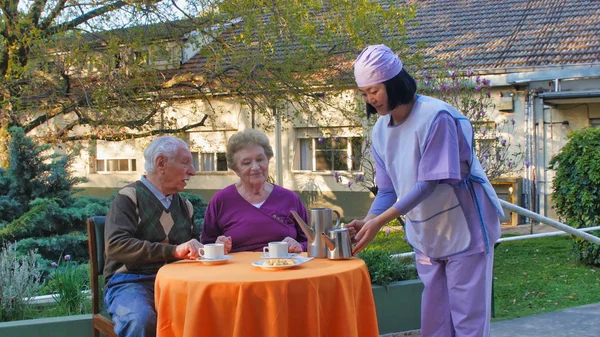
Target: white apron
{"points": [[437, 227]]}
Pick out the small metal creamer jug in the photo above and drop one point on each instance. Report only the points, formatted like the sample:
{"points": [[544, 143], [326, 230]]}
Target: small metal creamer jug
{"points": [[338, 242], [320, 221]]}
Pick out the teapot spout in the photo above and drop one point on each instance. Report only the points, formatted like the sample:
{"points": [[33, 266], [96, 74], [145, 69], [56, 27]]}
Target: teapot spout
{"points": [[310, 234], [330, 244]]}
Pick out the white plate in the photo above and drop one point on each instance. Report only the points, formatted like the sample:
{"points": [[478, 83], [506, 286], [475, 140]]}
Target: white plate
{"points": [[222, 260], [289, 256], [297, 261]]}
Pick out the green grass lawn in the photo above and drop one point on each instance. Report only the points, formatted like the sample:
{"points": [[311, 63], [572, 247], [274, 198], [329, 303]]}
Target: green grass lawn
{"points": [[530, 276], [541, 275]]}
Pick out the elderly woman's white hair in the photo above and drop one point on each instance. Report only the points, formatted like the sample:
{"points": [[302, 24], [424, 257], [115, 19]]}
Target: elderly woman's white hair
{"points": [[166, 146]]}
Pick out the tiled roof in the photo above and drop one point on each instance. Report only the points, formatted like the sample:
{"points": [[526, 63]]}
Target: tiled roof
{"points": [[493, 35], [509, 34]]}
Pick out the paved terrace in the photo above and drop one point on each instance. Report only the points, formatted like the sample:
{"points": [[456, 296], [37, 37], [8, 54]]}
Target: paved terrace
{"points": [[581, 321]]}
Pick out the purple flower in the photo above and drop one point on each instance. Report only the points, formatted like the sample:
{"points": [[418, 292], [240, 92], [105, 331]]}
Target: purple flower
{"points": [[483, 131], [485, 82], [512, 121], [336, 176], [477, 79], [350, 183], [478, 87], [527, 164], [488, 94], [469, 73], [460, 57], [482, 112], [67, 257], [452, 74], [451, 64], [509, 164], [486, 155], [360, 177], [387, 232], [503, 142], [336, 139], [321, 140], [54, 264]]}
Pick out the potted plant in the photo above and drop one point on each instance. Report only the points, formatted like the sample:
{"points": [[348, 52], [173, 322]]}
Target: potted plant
{"points": [[396, 291]]}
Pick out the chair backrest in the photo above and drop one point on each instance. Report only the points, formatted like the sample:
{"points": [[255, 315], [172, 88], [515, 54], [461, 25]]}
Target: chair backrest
{"points": [[95, 227], [99, 231]]}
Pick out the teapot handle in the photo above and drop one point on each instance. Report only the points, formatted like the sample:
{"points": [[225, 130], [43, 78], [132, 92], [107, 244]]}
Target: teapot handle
{"points": [[337, 221]]}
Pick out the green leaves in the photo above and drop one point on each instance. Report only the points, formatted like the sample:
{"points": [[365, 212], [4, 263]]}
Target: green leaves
{"points": [[384, 269], [576, 187]]}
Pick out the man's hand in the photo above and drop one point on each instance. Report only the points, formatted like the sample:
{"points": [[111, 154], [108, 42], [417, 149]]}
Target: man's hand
{"points": [[225, 241], [188, 250], [293, 245]]}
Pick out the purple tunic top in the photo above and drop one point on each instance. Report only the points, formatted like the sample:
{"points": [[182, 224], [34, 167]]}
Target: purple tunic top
{"points": [[252, 228], [446, 159]]}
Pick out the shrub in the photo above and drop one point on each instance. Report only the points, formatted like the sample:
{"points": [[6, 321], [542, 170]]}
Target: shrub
{"points": [[577, 188], [384, 269], [19, 280], [68, 282], [199, 208], [53, 247]]}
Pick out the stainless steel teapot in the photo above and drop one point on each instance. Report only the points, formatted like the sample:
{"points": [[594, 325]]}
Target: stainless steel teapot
{"points": [[320, 221], [339, 244]]}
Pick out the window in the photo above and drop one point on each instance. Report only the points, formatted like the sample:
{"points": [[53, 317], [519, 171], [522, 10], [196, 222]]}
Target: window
{"points": [[210, 161], [330, 154], [594, 122], [116, 165]]}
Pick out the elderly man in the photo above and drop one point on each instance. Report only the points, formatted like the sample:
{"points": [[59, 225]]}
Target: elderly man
{"points": [[148, 225]]}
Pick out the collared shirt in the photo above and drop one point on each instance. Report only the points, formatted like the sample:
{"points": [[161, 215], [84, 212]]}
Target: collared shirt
{"points": [[164, 199]]}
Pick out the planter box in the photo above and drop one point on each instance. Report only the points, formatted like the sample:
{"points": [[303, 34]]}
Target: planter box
{"points": [[64, 326], [398, 306]]}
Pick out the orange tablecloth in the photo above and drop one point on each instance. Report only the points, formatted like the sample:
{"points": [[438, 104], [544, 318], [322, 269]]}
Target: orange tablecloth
{"points": [[318, 298]]}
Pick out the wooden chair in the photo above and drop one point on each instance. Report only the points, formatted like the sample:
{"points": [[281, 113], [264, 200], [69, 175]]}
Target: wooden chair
{"points": [[95, 228]]}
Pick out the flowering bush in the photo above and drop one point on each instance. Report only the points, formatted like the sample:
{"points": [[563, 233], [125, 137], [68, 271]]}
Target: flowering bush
{"points": [[470, 94], [365, 178], [68, 281]]}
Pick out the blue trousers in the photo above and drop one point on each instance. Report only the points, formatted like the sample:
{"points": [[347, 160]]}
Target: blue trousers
{"points": [[129, 299]]}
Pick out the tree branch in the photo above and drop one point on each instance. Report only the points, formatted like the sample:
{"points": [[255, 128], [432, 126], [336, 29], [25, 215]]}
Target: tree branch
{"points": [[60, 5], [123, 136]]}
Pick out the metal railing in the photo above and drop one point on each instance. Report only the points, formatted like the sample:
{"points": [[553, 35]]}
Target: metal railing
{"points": [[564, 229]]}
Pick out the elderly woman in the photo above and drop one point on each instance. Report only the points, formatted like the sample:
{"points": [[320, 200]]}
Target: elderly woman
{"points": [[246, 216]]}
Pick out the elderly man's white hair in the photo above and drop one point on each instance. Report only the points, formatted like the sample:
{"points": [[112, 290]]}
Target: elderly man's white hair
{"points": [[164, 145]]}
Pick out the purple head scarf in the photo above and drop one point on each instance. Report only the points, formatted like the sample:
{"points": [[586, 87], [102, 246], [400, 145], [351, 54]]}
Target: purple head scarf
{"points": [[376, 64]]}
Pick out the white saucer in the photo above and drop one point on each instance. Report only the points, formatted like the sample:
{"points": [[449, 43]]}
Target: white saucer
{"points": [[222, 260], [289, 256]]}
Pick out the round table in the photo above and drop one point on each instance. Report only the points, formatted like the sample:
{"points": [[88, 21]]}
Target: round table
{"points": [[318, 298]]}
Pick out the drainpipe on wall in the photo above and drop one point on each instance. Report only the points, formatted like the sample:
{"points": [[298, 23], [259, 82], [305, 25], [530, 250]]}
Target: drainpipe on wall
{"points": [[538, 111], [527, 188], [278, 149]]}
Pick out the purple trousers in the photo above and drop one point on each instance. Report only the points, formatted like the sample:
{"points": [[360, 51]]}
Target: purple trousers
{"points": [[456, 301]]}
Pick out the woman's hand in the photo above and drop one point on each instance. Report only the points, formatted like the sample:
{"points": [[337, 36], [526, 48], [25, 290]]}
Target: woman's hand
{"points": [[225, 241], [354, 227], [366, 234], [293, 245]]}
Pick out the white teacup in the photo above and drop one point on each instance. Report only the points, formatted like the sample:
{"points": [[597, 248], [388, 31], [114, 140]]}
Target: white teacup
{"points": [[277, 249], [212, 251]]}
